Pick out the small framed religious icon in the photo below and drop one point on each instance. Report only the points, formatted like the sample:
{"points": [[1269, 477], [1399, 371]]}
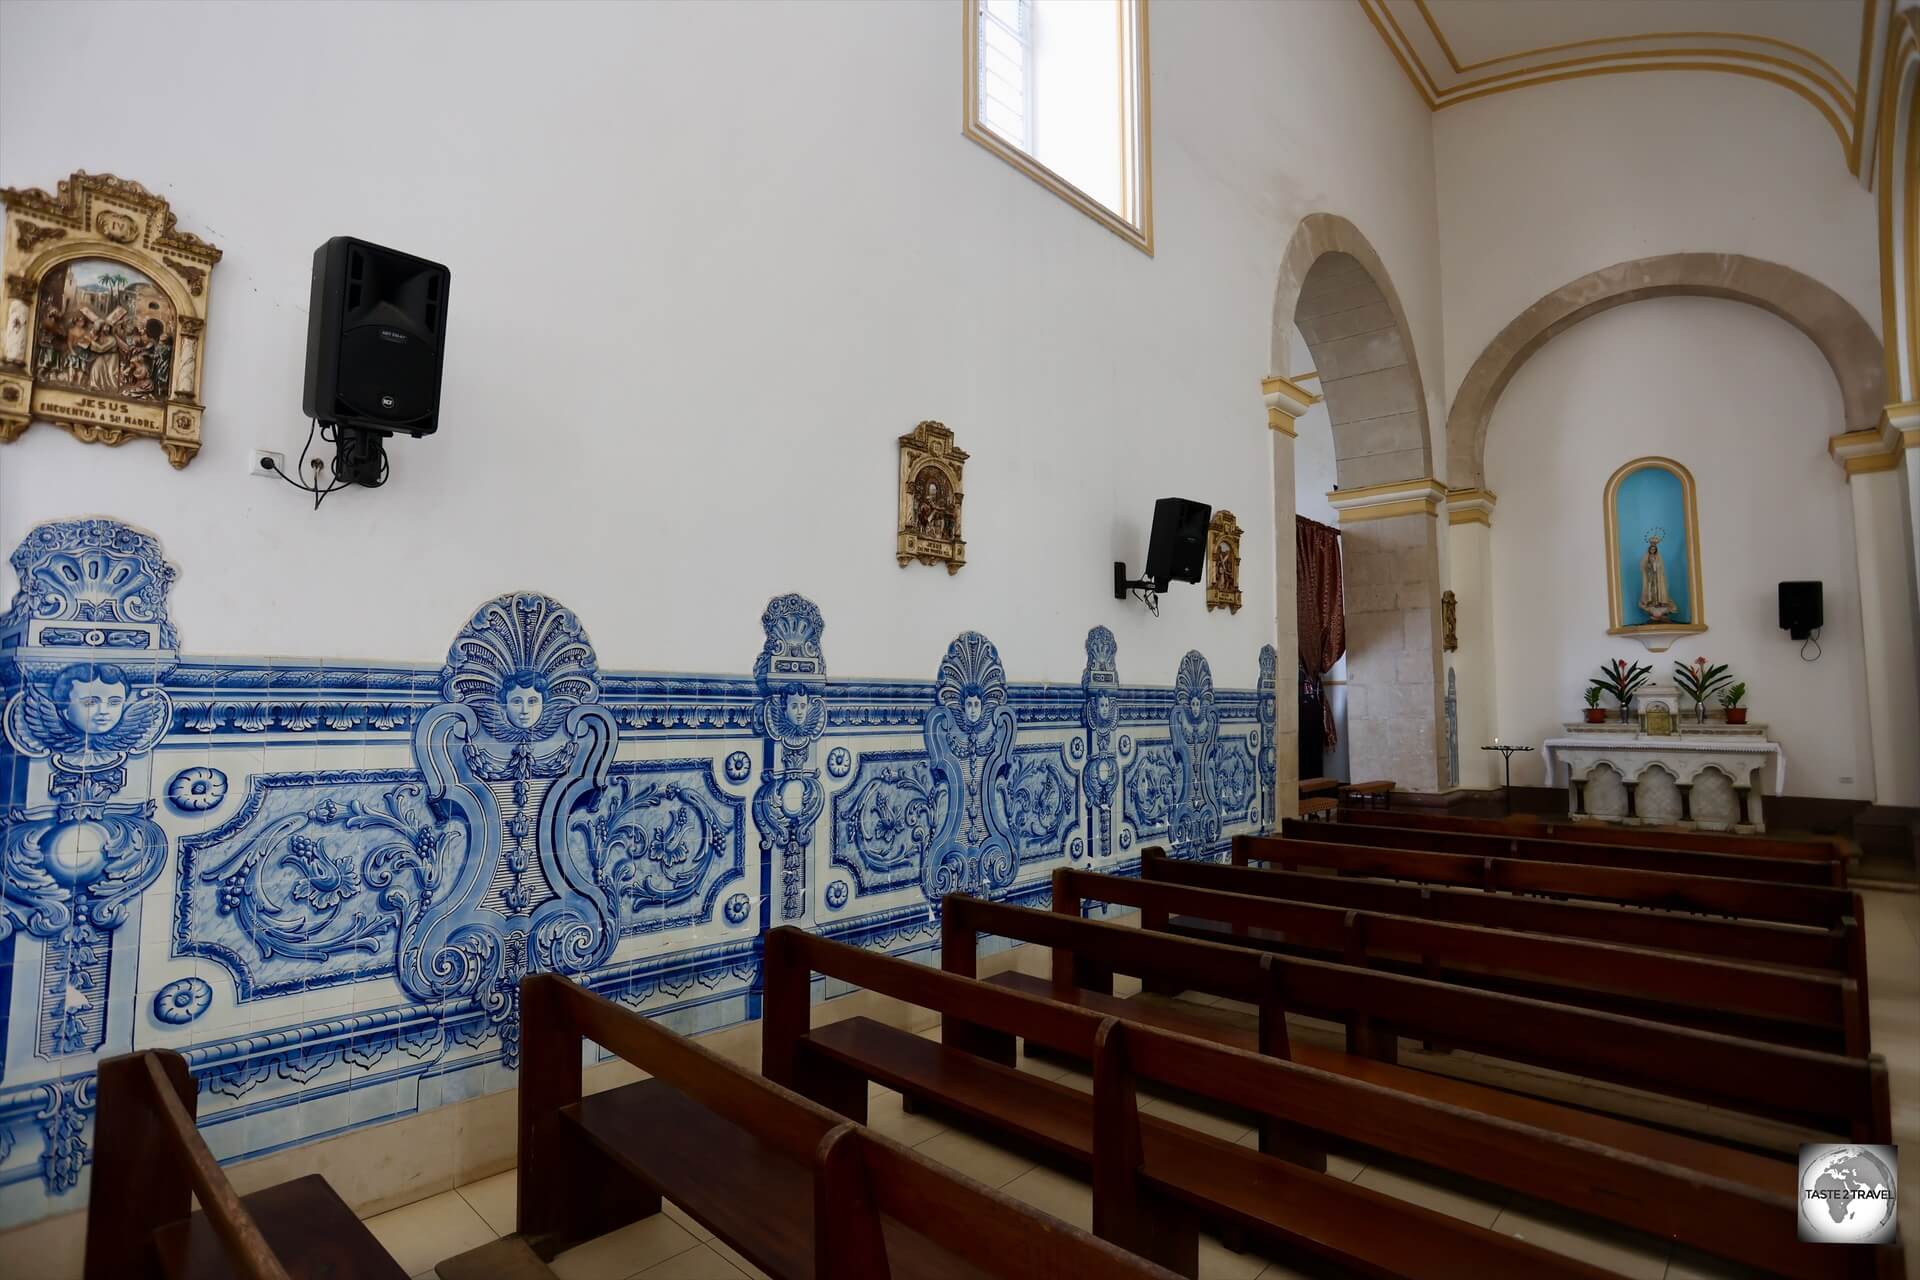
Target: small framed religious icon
{"points": [[105, 315], [930, 498], [1653, 553], [1223, 562]]}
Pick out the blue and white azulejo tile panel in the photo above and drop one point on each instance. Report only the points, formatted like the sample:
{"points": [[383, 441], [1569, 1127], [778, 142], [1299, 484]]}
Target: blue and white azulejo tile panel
{"points": [[322, 883]]}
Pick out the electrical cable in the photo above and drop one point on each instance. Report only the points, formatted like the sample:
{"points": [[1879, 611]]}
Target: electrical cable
{"points": [[319, 493], [1813, 640]]}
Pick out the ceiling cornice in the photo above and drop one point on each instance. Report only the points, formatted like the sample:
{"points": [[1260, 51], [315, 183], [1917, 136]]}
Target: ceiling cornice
{"points": [[1421, 46]]}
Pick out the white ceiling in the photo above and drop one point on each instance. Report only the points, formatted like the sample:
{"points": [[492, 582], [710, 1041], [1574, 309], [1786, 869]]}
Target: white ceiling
{"points": [[1458, 51]]}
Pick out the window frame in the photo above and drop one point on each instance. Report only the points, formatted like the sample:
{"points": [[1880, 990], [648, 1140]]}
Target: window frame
{"points": [[1136, 160]]}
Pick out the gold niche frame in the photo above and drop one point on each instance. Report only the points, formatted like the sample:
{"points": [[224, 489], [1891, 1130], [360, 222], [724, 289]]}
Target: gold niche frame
{"points": [[1223, 562], [1658, 636], [105, 315], [931, 492]]}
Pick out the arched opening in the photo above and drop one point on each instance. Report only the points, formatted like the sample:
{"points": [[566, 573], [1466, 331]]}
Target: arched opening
{"points": [[1336, 300], [1827, 319]]}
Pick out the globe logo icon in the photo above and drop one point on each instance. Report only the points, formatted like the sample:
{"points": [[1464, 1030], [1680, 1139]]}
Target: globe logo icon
{"points": [[1848, 1193]]}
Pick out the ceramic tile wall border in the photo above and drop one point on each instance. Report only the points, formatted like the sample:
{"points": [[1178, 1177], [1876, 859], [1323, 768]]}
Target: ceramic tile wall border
{"points": [[322, 882]]}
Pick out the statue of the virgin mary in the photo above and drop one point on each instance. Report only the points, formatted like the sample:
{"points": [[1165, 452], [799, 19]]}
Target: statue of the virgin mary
{"points": [[1655, 600]]}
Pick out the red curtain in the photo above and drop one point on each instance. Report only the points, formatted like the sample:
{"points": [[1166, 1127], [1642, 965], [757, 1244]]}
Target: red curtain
{"points": [[1323, 615]]}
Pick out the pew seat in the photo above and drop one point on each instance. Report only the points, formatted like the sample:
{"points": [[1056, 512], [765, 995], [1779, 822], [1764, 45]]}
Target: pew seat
{"points": [[1226, 1184], [306, 1224], [1771, 1176], [732, 1182], [1377, 792], [1319, 808]]}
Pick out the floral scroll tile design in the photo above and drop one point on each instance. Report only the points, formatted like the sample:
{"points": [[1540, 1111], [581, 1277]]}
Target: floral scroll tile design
{"points": [[970, 732]]}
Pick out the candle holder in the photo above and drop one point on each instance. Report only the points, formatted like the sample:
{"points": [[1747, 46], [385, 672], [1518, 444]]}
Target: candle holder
{"points": [[1506, 751]]}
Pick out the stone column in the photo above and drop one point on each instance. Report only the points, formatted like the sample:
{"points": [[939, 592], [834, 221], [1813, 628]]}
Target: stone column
{"points": [[1883, 544], [1286, 401], [1470, 558], [1390, 549]]}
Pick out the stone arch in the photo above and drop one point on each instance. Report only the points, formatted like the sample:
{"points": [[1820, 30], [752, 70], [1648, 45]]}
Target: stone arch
{"points": [[1334, 288], [1828, 320]]}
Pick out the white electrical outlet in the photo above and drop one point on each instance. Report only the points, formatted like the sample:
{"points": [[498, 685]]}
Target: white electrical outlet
{"points": [[264, 462]]}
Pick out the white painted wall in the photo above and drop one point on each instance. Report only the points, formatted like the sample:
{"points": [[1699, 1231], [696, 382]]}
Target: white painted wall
{"points": [[1538, 188], [792, 256], [1746, 403]]}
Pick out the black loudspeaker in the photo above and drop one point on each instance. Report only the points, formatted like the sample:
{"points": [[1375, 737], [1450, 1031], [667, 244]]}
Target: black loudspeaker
{"points": [[1802, 611], [375, 339], [1177, 550]]}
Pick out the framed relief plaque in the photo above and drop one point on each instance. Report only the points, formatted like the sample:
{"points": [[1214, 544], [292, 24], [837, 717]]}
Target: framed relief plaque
{"points": [[930, 498], [105, 316], [1223, 562]]}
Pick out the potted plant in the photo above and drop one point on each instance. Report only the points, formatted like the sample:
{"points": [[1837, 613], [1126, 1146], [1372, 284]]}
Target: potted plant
{"points": [[1699, 681], [1736, 714], [1596, 714], [1622, 681]]}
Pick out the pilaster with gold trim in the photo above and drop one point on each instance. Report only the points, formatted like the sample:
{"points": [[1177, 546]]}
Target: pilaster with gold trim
{"points": [[1287, 401], [1421, 496]]}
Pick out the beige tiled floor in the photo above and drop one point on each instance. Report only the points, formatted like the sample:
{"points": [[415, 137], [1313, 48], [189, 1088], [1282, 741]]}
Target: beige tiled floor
{"points": [[672, 1247]]}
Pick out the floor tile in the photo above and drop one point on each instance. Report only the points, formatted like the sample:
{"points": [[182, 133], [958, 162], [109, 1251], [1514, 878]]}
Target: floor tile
{"points": [[1217, 1262], [422, 1234], [1613, 1248], [697, 1263], [1228, 1128], [1345, 1168], [495, 1199], [884, 1115], [620, 1254], [981, 1161], [1440, 1196], [740, 1264], [1067, 1199], [687, 1224]]}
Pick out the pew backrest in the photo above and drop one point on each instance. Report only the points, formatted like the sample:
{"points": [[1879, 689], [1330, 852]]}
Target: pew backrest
{"points": [[1518, 844], [1815, 849], [1815, 905], [1838, 949], [1825, 1091], [150, 1164], [1761, 996]]}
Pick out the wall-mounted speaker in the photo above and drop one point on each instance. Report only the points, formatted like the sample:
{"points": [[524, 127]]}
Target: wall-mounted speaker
{"points": [[1802, 611], [1177, 549], [375, 338]]}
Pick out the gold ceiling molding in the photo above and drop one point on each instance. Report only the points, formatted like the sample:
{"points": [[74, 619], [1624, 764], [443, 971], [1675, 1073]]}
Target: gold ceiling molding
{"points": [[1443, 80], [1896, 175]]}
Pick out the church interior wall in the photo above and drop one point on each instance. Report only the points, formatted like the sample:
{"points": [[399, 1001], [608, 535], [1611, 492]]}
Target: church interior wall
{"points": [[1742, 400], [706, 269]]}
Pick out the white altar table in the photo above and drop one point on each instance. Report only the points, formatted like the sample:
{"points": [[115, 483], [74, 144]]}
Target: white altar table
{"points": [[1712, 780]]}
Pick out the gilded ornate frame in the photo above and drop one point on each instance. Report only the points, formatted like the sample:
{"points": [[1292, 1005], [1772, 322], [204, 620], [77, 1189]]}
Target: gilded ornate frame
{"points": [[101, 216], [930, 447], [1656, 636], [1223, 530]]}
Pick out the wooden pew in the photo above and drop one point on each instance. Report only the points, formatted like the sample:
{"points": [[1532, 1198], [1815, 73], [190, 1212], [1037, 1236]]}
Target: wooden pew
{"points": [[1821, 1091], [1376, 794], [1310, 1093], [1813, 848], [1840, 950], [150, 1164], [1814, 905], [1818, 1011], [1087, 953], [1155, 1180], [1342, 830], [1319, 786], [796, 1189]]}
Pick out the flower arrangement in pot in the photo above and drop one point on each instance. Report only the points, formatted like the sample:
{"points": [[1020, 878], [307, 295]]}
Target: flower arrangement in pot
{"points": [[1596, 714], [1622, 681], [1730, 700], [1699, 681]]}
